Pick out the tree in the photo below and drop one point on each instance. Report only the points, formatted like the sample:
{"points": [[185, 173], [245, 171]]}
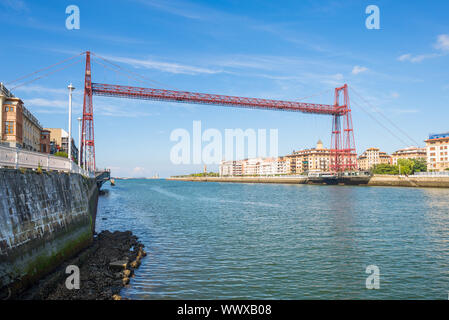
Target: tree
{"points": [[384, 168], [420, 165], [405, 166]]}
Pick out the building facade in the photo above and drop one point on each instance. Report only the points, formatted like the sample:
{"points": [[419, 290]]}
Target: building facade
{"points": [[408, 153], [45, 141], [299, 162], [230, 168], [316, 159], [59, 142], [372, 157], [18, 127], [437, 148]]}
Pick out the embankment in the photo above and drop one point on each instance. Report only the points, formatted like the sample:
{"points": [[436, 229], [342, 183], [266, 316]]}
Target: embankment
{"points": [[376, 180], [45, 219], [410, 181], [292, 180]]}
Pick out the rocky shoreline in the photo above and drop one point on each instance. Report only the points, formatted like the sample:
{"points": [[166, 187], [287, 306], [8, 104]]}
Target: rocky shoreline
{"points": [[106, 266]]}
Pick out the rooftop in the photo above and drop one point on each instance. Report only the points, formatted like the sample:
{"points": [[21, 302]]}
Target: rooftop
{"points": [[438, 135]]}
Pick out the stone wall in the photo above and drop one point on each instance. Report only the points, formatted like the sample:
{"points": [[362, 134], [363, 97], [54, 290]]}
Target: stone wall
{"points": [[45, 219], [410, 181]]}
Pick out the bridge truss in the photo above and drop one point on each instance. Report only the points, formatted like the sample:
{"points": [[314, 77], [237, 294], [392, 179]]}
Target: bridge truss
{"points": [[343, 151]]}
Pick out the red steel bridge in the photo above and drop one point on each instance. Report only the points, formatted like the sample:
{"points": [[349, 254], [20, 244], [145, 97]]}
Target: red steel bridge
{"points": [[343, 151]]}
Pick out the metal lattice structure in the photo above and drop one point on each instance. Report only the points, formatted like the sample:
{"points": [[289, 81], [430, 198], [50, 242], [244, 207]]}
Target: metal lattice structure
{"points": [[87, 139], [342, 137]]}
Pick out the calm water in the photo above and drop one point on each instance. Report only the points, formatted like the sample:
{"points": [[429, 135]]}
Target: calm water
{"points": [[256, 241]]}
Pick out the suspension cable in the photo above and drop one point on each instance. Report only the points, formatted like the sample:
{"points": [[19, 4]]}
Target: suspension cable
{"points": [[314, 95], [378, 122], [385, 117], [135, 73], [117, 71], [47, 74], [43, 69]]}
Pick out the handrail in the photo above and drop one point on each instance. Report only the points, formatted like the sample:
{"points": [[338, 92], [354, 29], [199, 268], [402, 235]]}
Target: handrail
{"points": [[19, 158]]}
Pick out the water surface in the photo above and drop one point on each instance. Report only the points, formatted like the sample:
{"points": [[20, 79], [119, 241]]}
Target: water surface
{"points": [[274, 241]]}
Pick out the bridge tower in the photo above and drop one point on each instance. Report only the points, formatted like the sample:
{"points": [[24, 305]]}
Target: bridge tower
{"points": [[342, 138], [87, 139]]}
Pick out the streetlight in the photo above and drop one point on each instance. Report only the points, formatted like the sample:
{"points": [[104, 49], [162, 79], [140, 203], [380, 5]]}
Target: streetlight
{"points": [[79, 141], [71, 88]]}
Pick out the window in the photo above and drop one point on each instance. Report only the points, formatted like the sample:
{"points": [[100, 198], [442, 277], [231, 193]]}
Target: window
{"points": [[9, 107], [9, 127]]}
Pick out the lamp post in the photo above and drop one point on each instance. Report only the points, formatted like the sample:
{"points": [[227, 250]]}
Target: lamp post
{"points": [[79, 141], [71, 88]]}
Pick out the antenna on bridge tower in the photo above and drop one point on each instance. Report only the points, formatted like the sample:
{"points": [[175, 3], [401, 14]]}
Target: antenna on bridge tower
{"points": [[343, 152], [88, 141]]}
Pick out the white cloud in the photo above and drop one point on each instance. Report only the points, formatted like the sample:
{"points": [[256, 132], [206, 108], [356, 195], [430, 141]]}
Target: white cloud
{"points": [[41, 102], [16, 5], [443, 42], [358, 69], [417, 58], [394, 95], [163, 66]]}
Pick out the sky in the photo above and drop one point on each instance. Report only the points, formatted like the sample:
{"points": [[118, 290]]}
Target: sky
{"points": [[290, 50]]}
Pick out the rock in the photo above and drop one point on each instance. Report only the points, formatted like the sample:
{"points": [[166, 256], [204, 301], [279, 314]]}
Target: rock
{"points": [[125, 281], [116, 297], [127, 273], [135, 264], [118, 265]]}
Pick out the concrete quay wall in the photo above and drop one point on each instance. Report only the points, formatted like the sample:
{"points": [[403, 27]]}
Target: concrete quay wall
{"points": [[376, 180], [45, 219]]}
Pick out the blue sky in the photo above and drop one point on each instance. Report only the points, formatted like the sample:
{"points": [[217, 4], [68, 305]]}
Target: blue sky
{"points": [[269, 49]]}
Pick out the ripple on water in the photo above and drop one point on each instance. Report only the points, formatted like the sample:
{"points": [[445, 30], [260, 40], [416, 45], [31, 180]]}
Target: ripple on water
{"points": [[239, 241]]}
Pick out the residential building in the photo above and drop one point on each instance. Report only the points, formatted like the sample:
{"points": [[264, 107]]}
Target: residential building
{"points": [[45, 141], [251, 167], [437, 148], [59, 141], [231, 168], [372, 157], [18, 127], [408, 153], [314, 159]]}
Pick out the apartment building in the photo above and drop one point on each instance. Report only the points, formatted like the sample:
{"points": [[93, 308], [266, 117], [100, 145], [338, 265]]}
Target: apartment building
{"points": [[59, 141], [45, 141], [372, 157], [437, 148], [231, 168], [255, 167], [408, 153], [18, 127], [314, 159]]}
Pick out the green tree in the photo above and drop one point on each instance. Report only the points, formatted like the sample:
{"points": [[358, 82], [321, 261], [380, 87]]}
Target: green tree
{"points": [[419, 165], [405, 166], [384, 168]]}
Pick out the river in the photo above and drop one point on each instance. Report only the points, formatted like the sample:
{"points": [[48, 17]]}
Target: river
{"points": [[273, 241]]}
